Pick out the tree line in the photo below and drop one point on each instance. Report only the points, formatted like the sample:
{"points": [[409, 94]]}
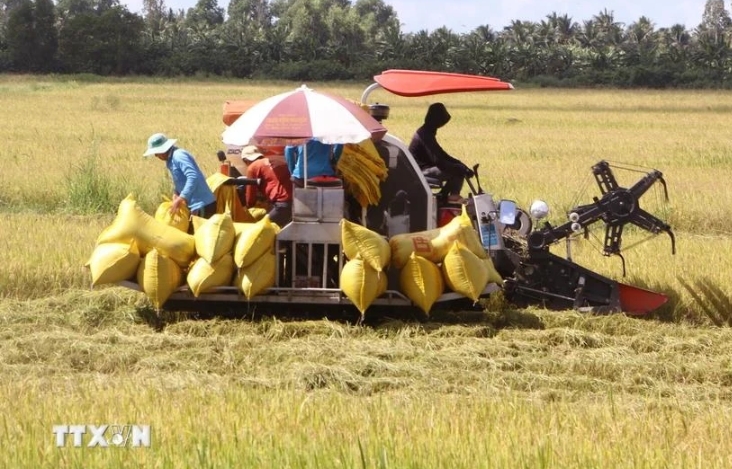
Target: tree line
{"points": [[341, 39]]}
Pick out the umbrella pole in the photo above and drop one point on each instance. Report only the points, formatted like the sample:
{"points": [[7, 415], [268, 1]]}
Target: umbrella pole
{"points": [[305, 166]]}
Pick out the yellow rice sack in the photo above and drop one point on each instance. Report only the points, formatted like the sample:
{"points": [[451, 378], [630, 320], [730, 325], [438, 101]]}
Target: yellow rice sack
{"points": [[110, 234], [215, 237], [361, 283], [421, 280], [254, 241], [493, 275], [158, 276], [113, 262], [460, 229], [258, 276], [132, 223], [434, 244], [180, 220], [420, 243], [197, 223], [464, 272], [216, 181], [359, 241], [383, 284], [227, 198], [203, 277], [257, 213], [240, 227]]}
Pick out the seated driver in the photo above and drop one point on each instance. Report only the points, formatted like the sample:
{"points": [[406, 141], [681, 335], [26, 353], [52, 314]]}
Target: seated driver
{"points": [[433, 160]]}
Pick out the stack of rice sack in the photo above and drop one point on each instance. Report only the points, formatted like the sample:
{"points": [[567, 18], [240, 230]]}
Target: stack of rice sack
{"points": [[160, 255], [154, 251], [363, 278], [449, 256], [223, 245]]}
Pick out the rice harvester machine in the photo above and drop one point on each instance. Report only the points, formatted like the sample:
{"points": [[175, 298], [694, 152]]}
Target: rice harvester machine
{"points": [[310, 253]]}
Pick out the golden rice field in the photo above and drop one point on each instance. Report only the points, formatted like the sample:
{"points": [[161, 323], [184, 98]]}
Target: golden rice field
{"points": [[502, 388]]}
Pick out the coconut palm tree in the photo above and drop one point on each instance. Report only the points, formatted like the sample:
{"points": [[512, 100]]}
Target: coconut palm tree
{"points": [[641, 45]]}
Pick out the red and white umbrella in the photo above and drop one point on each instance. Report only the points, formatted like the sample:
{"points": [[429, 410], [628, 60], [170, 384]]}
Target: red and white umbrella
{"points": [[294, 117]]}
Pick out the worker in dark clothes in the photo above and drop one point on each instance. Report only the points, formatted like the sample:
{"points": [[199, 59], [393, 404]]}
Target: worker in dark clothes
{"points": [[433, 161]]}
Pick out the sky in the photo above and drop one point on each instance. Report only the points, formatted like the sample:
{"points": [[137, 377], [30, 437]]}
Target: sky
{"points": [[462, 16]]}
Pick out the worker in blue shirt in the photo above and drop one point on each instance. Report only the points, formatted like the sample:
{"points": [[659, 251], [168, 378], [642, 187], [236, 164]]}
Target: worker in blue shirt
{"points": [[188, 181], [322, 159]]}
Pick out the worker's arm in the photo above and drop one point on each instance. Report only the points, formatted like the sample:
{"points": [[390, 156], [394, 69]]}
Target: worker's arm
{"points": [[251, 189], [186, 167], [443, 159], [190, 171]]}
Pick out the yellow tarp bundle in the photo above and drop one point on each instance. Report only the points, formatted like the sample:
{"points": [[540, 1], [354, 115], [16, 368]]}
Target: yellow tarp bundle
{"points": [[362, 169], [421, 280], [203, 277], [113, 262], [359, 241], [158, 276]]}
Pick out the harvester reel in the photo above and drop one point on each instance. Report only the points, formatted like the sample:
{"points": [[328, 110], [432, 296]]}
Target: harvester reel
{"points": [[617, 207], [621, 205], [542, 276]]}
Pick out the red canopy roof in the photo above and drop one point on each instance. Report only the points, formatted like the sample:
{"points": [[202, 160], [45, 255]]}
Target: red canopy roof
{"points": [[412, 83]]}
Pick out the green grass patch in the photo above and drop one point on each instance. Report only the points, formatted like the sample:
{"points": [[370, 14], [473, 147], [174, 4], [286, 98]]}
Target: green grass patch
{"points": [[88, 189]]}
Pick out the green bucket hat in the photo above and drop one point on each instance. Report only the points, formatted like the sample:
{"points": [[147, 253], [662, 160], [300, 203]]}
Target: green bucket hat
{"points": [[158, 143]]}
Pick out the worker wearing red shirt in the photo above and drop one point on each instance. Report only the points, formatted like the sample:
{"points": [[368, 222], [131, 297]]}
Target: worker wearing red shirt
{"points": [[275, 184]]}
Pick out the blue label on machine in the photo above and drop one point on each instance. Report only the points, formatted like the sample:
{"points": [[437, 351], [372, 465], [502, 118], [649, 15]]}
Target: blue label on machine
{"points": [[488, 235]]}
